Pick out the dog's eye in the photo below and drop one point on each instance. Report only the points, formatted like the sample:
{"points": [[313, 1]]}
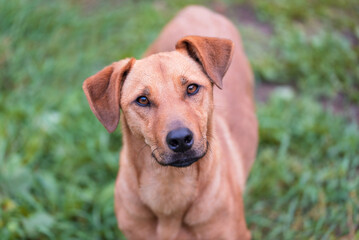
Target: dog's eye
{"points": [[192, 89], [143, 101]]}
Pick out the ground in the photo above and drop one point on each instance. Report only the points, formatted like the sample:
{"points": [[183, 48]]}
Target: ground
{"points": [[58, 164]]}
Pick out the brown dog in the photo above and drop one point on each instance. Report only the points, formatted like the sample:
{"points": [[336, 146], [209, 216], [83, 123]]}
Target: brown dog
{"points": [[187, 146]]}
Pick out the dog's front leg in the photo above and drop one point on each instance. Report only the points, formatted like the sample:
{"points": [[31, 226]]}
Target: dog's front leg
{"points": [[168, 227]]}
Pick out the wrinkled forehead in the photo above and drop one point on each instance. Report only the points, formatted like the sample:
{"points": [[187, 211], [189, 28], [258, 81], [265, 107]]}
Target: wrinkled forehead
{"points": [[164, 69]]}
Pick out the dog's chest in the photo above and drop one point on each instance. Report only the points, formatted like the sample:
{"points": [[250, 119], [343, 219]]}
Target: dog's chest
{"points": [[168, 191]]}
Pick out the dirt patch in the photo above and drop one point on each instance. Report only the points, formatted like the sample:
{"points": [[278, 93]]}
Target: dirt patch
{"points": [[264, 90], [340, 105], [353, 39], [245, 14]]}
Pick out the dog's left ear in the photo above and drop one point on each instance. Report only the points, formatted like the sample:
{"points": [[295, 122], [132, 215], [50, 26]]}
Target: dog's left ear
{"points": [[103, 92], [213, 54]]}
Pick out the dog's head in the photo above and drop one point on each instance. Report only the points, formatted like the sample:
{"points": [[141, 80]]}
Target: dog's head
{"points": [[166, 98]]}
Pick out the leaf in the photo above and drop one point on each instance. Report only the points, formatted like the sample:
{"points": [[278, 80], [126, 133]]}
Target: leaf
{"points": [[38, 222]]}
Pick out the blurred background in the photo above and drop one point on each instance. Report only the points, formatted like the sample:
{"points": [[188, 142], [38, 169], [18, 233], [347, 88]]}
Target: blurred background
{"points": [[58, 164]]}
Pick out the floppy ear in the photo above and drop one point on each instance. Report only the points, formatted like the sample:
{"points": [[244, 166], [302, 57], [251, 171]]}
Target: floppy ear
{"points": [[214, 54], [103, 92]]}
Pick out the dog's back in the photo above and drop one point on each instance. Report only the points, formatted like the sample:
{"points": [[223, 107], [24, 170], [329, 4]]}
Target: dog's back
{"points": [[234, 108]]}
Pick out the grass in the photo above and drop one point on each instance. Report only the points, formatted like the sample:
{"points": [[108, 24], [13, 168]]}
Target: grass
{"points": [[58, 164]]}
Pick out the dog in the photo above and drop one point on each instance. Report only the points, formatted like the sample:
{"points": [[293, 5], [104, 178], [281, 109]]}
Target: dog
{"points": [[188, 146]]}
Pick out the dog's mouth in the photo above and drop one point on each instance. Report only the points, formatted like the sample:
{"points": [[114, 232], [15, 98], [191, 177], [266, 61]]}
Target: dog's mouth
{"points": [[181, 160]]}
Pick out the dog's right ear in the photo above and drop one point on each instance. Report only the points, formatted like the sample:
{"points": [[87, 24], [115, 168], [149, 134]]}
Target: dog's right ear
{"points": [[103, 92], [214, 54]]}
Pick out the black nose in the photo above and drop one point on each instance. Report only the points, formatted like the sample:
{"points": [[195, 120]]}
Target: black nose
{"points": [[180, 139]]}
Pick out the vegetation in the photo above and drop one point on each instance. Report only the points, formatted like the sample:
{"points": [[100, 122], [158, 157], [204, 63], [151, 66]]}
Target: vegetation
{"points": [[58, 164]]}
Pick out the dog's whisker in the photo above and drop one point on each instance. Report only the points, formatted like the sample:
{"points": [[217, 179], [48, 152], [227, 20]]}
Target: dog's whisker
{"points": [[153, 154], [180, 171], [185, 70], [141, 149]]}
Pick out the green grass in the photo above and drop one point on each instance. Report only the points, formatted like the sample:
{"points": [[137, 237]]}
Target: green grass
{"points": [[58, 164], [305, 182]]}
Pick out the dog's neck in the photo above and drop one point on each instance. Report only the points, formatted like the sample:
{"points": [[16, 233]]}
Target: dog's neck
{"points": [[166, 190]]}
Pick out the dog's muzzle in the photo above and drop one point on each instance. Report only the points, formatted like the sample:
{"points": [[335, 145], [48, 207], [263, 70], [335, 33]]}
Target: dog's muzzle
{"points": [[181, 159]]}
